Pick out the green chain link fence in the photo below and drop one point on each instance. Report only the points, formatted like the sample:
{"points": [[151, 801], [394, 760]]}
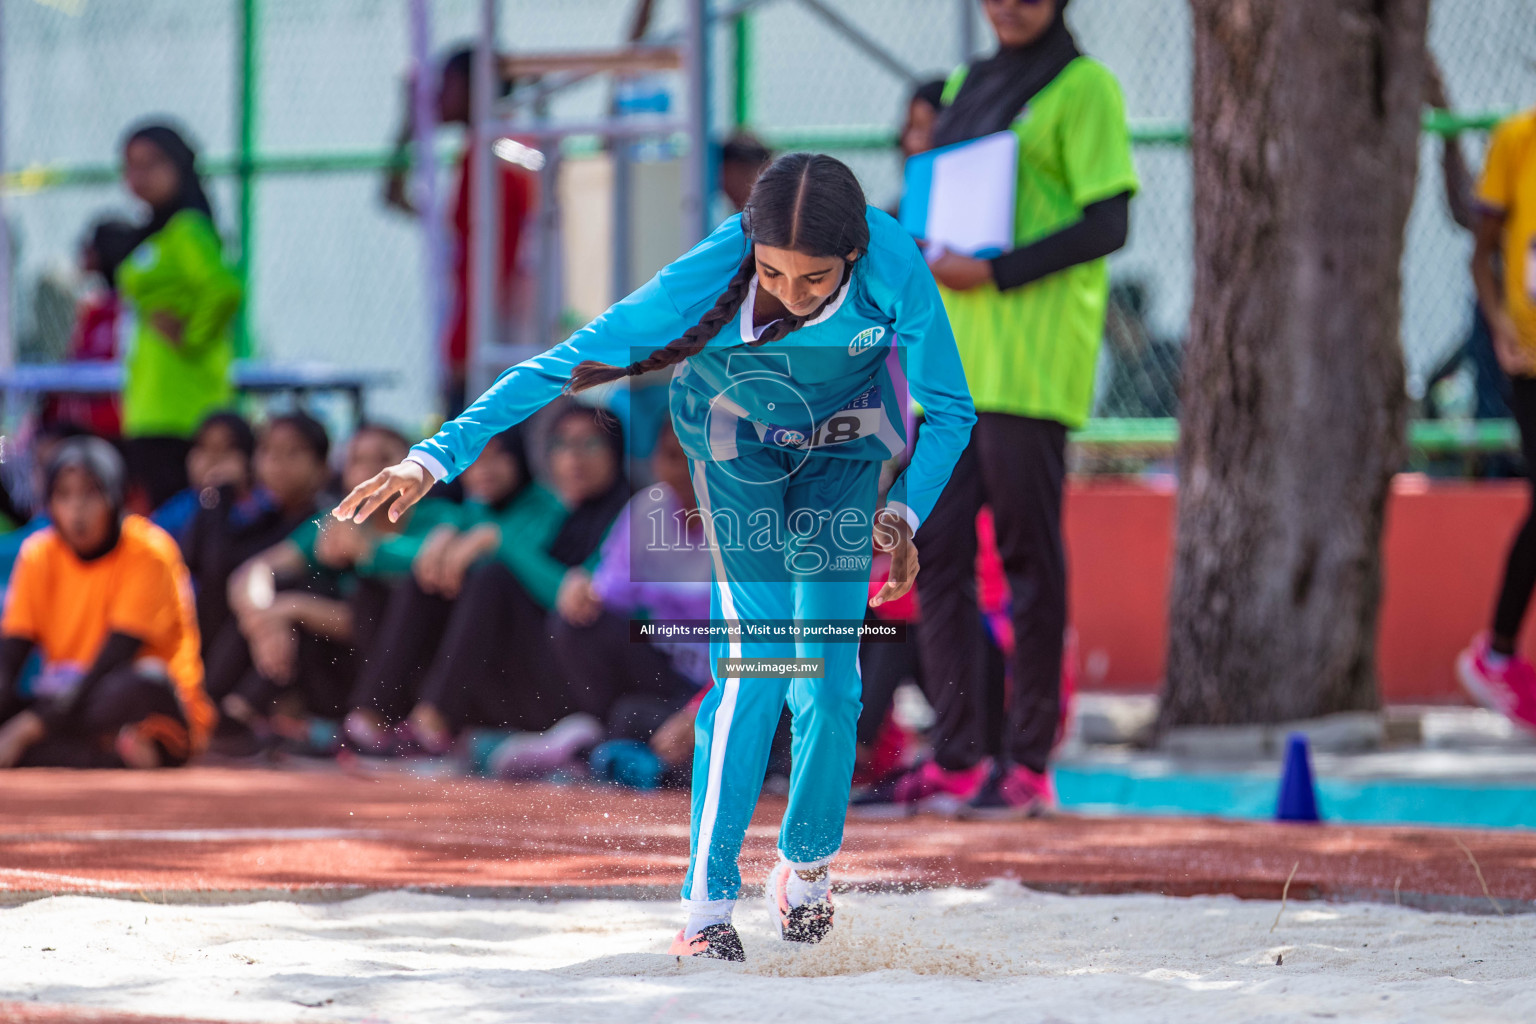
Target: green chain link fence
{"points": [[294, 104]]}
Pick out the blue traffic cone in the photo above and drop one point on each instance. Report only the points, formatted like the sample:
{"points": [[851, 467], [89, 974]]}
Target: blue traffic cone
{"points": [[1298, 794]]}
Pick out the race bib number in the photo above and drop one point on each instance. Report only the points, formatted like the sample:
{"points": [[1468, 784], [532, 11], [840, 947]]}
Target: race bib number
{"points": [[859, 418]]}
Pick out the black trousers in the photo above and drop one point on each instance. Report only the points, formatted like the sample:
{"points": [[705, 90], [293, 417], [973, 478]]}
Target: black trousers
{"points": [[85, 738], [1016, 465], [495, 666], [1520, 566], [324, 669], [631, 686], [883, 667], [394, 669], [157, 466]]}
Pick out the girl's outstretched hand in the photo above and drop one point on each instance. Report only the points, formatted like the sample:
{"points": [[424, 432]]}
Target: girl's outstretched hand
{"points": [[406, 482], [894, 535]]}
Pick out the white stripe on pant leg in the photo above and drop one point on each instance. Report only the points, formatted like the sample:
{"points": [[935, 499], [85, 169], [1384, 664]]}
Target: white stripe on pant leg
{"points": [[723, 713]]}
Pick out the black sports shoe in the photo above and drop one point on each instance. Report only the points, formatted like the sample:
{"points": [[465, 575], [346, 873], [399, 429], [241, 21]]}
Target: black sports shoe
{"points": [[809, 922], [715, 941]]}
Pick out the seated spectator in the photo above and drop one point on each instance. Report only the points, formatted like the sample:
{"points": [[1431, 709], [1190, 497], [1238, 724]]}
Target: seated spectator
{"points": [[235, 521], [44, 444], [222, 455], [11, 514], [107, 601], [655, 564], [302, 612], [94, 337], [501, 499], [505, 601]]}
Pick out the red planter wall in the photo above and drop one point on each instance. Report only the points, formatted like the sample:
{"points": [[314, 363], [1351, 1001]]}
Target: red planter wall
{"points": [[1444, 551]]}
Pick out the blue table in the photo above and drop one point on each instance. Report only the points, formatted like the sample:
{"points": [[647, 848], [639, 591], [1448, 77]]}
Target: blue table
{"points": [[298, 379]]}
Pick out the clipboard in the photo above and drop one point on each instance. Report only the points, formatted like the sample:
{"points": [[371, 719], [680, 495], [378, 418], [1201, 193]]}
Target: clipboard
{"points": [[962, 196]]}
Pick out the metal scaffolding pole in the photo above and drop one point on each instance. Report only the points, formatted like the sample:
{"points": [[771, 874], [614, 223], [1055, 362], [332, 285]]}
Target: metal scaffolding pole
{"points": [[699, 160], [550, 298], [7, 340], [484, 213], [621, 152], [426, 192]]}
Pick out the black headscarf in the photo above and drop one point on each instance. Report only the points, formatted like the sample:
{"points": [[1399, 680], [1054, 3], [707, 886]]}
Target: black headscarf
{"points": [[101, 462], [513, 445], [190, 196], [588, 522], [996, 89]]}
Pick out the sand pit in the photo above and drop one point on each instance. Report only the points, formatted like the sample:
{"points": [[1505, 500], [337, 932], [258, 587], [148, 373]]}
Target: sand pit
{"points": [[998, 953]]}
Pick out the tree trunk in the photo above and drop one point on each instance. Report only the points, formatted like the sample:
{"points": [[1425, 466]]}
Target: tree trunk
{"points": [[1306, 128]]}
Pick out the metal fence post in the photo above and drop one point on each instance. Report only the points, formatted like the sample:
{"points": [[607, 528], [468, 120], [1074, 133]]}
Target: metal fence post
{"points": [[698, 167], [484, 214], [741, 37], [621, 154], [246, 118], [550, 297], [423, 136]]}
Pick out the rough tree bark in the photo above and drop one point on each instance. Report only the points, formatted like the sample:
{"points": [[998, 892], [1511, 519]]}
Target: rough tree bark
{"points": [[1306, 127]]}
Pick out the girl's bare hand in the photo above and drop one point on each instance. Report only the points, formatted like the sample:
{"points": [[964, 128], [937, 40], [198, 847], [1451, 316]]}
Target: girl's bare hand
{"points": [[341, 545], [405, 483], [576, 601], [427, 566], [1514, 358], [961, 273], [171, 327], [893, 534], [274, 652]]}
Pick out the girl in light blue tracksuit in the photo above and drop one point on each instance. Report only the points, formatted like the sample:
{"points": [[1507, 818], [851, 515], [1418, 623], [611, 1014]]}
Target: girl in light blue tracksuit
{"points": [[779, 326]]}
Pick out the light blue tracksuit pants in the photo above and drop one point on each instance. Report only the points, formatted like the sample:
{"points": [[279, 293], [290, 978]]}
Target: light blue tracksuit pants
{"points": [[815, 569]]}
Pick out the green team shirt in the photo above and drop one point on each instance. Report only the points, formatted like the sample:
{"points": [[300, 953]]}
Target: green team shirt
{"points": [[169, 389], [528, 526], [1031, 351]]}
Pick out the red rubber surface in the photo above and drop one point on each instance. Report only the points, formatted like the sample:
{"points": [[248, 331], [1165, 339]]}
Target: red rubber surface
{"points": [[226, 829]]}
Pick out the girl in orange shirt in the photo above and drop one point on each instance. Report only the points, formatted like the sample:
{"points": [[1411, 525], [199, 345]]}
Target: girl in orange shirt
{"points": [[107, 601]]}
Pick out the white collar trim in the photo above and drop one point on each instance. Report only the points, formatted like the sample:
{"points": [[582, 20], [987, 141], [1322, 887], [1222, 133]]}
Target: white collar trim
{"points": [[749, 333]]}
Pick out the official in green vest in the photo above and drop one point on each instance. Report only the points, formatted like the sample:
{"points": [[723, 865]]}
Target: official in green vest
{"points": [[183, 298], [1028, 324]]}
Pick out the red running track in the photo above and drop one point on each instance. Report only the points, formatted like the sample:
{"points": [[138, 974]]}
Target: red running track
{"points": [[218, 833]]}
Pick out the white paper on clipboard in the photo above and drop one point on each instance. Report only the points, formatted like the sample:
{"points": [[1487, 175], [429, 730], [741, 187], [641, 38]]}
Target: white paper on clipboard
{"points": [[970, 193]]}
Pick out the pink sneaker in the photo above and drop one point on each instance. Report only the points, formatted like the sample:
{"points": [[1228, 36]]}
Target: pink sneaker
{"points": [[923, 787], [1509, 689], [1015, 793]]}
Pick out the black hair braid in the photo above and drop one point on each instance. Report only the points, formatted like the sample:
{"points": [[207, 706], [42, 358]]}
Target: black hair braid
{"points": [[808, 202], [592, 373]]}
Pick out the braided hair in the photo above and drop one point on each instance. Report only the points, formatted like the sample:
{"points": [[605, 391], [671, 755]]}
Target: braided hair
{"points": [[808, 202]]}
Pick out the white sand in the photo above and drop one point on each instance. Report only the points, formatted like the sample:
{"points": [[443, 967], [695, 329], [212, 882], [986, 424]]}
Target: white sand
{"points": [[1002, 953]]}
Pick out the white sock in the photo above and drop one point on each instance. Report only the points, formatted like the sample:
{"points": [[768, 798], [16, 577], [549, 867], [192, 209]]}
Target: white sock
{"points": [[1495, 659], [800, 892], [698, 920]]}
